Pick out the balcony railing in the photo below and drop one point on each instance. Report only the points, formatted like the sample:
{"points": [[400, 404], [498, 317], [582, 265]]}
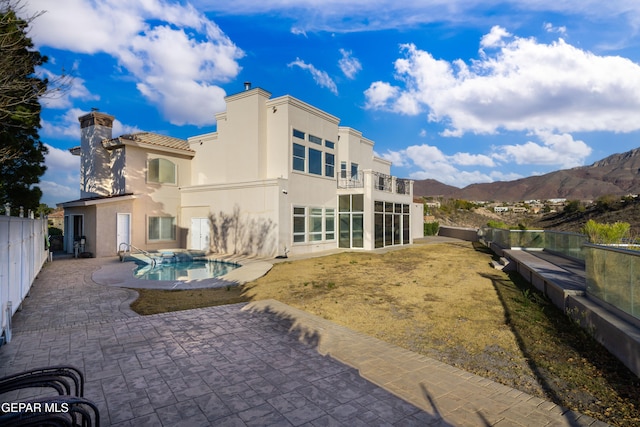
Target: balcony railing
{"points": [[403, 186], [382, 181], [347, 180]]}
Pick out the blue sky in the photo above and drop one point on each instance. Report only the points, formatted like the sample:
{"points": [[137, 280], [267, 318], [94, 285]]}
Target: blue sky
{"points": [[462, 91]]}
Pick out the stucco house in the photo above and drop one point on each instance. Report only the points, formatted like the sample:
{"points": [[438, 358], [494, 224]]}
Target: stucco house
{"points": [[277, 176]]}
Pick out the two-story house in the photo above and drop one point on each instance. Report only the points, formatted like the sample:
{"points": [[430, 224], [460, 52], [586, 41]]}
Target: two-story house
{"points": [[278, 176]]}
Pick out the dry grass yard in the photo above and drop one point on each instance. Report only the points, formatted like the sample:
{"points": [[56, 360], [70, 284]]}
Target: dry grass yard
{"points": [[445, 301]]}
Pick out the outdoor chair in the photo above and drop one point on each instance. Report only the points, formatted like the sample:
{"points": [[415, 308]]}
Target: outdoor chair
{"points": [[67, 408]]}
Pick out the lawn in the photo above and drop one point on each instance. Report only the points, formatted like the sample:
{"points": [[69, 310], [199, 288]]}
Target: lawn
{"points": [[446, 302]]}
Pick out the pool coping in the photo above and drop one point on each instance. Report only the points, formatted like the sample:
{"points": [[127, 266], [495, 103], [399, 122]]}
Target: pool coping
{"points": [[120, 274]]}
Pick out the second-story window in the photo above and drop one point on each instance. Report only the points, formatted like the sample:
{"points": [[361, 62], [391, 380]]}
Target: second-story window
{"points": [[298, 157], [315, 139], [315, 161], [298, 134], [162, 171], [354, 171], [329, 164]]}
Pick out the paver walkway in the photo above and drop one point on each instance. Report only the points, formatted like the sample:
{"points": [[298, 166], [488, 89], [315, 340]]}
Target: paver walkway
{"points": [[256, 364]]}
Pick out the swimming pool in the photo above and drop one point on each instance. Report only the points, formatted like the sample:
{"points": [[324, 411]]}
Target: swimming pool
{"points": [[190, 270]]}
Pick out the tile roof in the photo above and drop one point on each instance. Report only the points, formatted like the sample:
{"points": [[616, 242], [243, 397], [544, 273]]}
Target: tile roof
{"points": [[152, 139]]}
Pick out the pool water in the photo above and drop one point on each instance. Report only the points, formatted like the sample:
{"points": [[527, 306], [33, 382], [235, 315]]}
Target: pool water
{"points": [[192, 270]]}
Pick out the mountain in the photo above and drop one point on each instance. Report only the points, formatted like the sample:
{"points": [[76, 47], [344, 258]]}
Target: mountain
{"points": [[618, 174]]}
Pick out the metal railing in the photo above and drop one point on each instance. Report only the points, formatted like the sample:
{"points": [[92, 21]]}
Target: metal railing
{"points": [[348, 180], [382, 182], [127, 249]]}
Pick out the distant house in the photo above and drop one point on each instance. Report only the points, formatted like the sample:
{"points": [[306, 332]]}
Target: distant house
{"points": [[279, 175], [501, 209]]}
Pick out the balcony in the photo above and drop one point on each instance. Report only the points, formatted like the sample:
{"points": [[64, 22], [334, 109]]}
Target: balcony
{"points": [[377, 180]]}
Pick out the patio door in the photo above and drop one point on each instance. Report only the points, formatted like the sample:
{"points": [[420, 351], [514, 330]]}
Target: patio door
{"points": [[200, 234], [123, 231]]}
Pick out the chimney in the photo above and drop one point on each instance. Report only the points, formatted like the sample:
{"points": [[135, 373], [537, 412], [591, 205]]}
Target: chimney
{"points": [[95, 162], [247, 85]]}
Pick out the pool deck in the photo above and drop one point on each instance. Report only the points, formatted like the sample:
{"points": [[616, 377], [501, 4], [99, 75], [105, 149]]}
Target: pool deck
{"points": [[258, 364]]}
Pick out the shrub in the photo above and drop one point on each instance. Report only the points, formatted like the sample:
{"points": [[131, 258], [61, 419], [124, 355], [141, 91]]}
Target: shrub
{"points": [[431, 228], [606, 233], [497, 224], [55, 231]]}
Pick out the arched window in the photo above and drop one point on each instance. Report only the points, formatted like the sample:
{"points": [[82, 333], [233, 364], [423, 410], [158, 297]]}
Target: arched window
{"points": [[161, 171]]}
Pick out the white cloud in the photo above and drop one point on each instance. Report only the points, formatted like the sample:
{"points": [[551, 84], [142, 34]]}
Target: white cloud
{"points": [[550, 28], [556, 149], [523, 86], [349, 65], [320, 77], [61, 159], [364, 15], [60, 181], [379, 94], [68, 126], [67, 88], [173, 51], [494, 38]]}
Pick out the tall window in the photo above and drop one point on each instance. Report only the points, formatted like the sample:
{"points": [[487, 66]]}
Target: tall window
{"points": [[298, 157], [315, 161], [343, 170], [299, 224], [329, 224], [162, 228], [329, 164], [351, 221], [161, 171], [354, 170], [315, 224]]}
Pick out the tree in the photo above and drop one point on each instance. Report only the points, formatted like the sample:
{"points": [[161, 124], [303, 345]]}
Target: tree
{"points": [[21, 151]]}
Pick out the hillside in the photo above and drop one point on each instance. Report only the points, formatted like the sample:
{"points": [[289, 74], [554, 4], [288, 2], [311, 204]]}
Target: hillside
{"points": [[562, 221], [618, 174]]}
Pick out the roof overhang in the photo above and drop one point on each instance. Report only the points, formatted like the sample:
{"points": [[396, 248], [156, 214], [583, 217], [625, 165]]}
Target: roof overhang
{"points": [[96, 201]]}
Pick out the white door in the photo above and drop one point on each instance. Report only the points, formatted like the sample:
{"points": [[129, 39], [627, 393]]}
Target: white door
{"points": [[123, 231], [200, 234]]}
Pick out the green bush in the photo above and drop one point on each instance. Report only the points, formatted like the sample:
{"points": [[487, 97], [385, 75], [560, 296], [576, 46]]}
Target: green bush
{"points": [[55, 231], [606, 234], [431, 228], [498, 224]]}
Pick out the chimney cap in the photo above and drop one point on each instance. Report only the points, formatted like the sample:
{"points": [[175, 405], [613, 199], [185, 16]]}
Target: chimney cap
{"points": [[247, 85]]}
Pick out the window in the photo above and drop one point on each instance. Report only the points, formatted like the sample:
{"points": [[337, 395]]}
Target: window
{"points": [[298, 157], [162, 228], [315, 139], [298, 134], [315, 224], [351, 221], [161, 171], [299, 229], [329, 164], [354, 170], [343, 170], [315, 161], [329, 224]]}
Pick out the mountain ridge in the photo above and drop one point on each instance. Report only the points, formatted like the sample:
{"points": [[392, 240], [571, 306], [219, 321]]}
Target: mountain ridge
{"points": [[617, 174]]}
